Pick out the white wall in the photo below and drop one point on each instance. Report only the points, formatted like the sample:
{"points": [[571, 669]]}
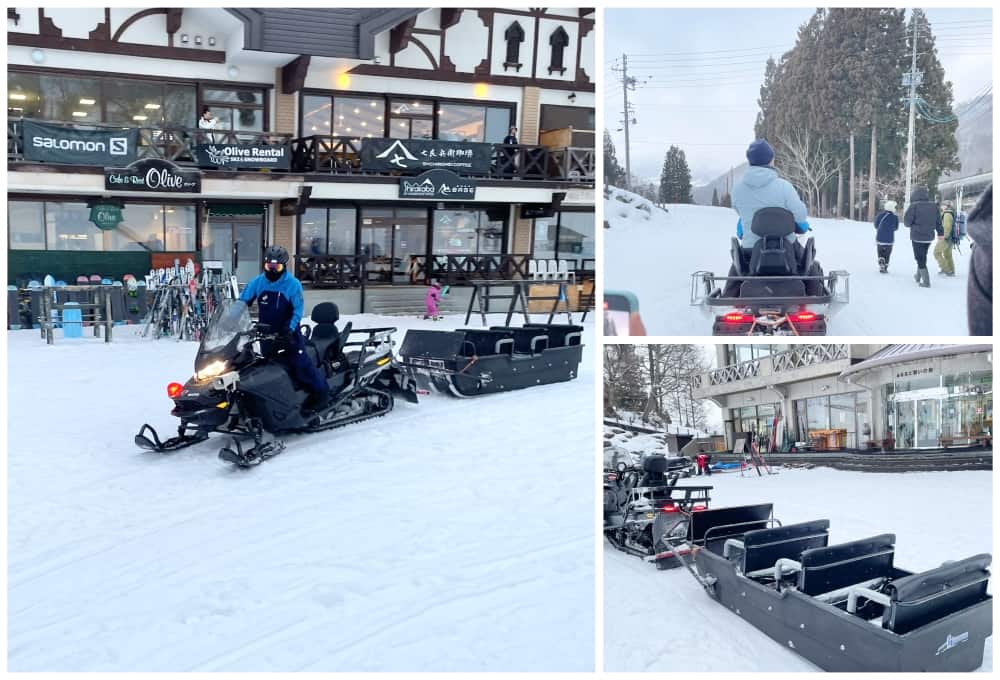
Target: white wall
{"points": [[587, 54], [414, 57], [466, 42], [501, 22], [545, 29]]}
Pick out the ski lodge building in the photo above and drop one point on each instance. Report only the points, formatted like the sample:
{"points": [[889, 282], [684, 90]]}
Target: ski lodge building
{"points": [[368, 142], [856, 397]]}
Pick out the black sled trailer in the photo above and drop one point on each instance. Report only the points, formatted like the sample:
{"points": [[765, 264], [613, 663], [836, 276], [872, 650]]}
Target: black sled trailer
{"points": [[844, 607], [775, 288], [469, 362]]}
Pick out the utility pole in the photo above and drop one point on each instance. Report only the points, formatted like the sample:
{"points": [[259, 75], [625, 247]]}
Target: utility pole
{"points": [[913, 103], [628, 83]]}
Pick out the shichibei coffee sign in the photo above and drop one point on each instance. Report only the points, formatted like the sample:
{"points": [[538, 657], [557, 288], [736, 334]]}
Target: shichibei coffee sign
{"points": [[153, 174]]}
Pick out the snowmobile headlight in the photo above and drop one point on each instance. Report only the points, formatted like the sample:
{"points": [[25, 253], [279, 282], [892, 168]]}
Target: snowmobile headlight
{"points": [[211, 370]]}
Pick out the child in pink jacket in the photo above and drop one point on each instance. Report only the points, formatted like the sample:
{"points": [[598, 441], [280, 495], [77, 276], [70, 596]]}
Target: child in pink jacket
{"points": [[432, 299]]}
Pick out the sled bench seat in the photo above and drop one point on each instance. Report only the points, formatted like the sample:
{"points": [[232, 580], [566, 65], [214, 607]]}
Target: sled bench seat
{"points": [[526, 340], [560, 335], [834, 567], [759, 551], [712, 528], [919, 599]]}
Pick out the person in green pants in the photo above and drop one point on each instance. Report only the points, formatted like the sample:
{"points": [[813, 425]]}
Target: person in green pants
{"points": [[942, 251]]}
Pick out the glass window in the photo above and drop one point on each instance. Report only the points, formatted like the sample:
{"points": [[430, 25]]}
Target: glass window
{"points": [[544, 247], [358, 117], [456, 232], [251, 120], [576, 235], [141, 228], [24, 95], [342, 231], [26, 225], [411, 107], [490, 235], [180, 106], [69, 227], [181, 226], [411, 119], [71, 99], [461, 123], [234, 96], [817, 414], [316, 115], [497, 124], [312, 232], [842, 409], [134, 102]]}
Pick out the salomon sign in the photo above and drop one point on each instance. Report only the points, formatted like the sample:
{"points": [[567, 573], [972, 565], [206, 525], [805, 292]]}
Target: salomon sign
{"points": [[52, 143]]}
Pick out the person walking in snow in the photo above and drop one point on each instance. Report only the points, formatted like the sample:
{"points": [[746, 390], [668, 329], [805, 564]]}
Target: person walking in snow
{"points": [[923, 219], [942, 251], [886, 224], [432, 300], [761, 187]]}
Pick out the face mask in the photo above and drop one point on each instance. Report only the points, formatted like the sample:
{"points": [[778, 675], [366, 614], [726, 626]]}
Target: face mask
{"points": [[273, 275]]}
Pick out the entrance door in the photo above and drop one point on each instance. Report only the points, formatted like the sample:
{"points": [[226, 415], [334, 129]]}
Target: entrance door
{"points": [[904, 425], [390, 238], [376, 245], [237, 243], [928, 423]]}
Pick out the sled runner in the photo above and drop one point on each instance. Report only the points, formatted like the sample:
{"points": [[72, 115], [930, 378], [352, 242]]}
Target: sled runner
{"points": [[778, 287], [847, 606], [470, 362]]}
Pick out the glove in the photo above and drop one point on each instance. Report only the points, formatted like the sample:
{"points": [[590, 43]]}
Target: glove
{"points": [[802, 227]]}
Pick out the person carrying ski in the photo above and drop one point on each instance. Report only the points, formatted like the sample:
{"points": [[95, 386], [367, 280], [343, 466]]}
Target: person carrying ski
{"points": [[942, 251], [886, 224], [761, 187], [432, 300], [923, 220], [279, 304]]}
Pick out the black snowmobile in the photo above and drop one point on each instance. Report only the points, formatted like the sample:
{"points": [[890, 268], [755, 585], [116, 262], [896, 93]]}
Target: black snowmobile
{"points": [[847, 606], [643, 507], [236, 390], [778, 288]]}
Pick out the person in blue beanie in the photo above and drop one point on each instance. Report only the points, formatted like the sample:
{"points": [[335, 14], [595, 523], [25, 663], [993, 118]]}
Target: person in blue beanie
{"points": [[761, 187], [279, 304]]}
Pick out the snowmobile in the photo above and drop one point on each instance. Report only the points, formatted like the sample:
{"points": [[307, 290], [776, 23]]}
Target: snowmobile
{"points": [[640, 512], [237, 390], [469, 362], [844, 607], [773, 291]]}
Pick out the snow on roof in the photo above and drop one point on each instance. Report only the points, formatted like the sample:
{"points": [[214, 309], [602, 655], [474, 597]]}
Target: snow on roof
{"points": [[899, 354]]}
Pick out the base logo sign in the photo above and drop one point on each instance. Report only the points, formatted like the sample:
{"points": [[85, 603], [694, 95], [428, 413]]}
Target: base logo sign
{"points": [[244, 156], [153, 174], [437, 184], [51, 143]]}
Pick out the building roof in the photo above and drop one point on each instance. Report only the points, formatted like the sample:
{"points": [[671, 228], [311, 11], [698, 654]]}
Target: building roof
{"points": [[901, 354], [342, 32]]}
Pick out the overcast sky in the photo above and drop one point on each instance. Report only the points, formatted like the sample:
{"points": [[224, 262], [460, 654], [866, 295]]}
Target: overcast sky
{"points": [[700, 72]]}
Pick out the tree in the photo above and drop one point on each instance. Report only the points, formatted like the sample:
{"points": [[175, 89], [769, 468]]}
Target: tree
{"points": [[613, 171], [715, 196], [675, 178]]}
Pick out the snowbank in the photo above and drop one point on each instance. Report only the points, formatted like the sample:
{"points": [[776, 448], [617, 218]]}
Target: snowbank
{"points": [[664, 621], [423, 540], [654, 257]]}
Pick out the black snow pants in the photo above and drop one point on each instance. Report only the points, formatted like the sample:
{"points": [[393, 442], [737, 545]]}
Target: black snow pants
{"points": [[290, 349], [920, 254], [884, 251]]}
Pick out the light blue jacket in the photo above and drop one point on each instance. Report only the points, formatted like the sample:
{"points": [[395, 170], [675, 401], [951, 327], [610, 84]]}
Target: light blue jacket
{"points": [[762, 188]]}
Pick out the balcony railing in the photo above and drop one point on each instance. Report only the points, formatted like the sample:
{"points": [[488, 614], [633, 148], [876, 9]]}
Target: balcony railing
{"points": [[800, 356], [331, 154], [331, 271], [456, 270]]}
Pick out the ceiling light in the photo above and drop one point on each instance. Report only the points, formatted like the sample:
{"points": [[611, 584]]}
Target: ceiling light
{"points": [[138, 117], [314, 128], [17, 96], [79, 114], [88, 102], [364, 124], [348, 129], [378, 117], [357, 110], [373, 104], [152, 107]]}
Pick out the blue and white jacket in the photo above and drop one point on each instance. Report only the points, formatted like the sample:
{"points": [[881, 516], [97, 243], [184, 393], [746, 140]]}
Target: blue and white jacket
{"points": [[279, 303]]}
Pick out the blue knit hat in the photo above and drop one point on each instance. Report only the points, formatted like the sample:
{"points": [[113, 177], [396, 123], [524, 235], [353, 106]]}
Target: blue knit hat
{"points": [[760, 152]]}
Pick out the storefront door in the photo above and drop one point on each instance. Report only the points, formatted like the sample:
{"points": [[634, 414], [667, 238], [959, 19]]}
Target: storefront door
{"points": [[376, 245], [237, 243], [928, 423], [390, 238]]}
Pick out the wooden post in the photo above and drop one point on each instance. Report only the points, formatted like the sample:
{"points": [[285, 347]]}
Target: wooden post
{"points": [[108, 318], [47, 315]]}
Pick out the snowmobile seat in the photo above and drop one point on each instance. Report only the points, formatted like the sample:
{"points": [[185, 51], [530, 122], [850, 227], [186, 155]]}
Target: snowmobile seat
{"points": [[325, 338], [654, 469], [773, 254], [838, 566], [762, 548], [919, 599]]}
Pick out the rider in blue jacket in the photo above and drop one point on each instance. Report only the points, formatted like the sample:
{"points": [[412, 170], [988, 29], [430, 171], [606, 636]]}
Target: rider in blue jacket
{"points": [[279, 304]]}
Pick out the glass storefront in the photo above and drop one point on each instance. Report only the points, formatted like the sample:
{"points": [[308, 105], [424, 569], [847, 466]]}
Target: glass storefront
{"points": [[66, 225], [328, 231], [759, 419], [467, 232], [844, 412], [566, 235]]}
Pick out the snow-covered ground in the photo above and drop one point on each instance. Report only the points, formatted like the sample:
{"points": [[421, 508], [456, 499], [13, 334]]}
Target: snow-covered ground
{"points": [[664, 621], [653, 253], [449, 535]]}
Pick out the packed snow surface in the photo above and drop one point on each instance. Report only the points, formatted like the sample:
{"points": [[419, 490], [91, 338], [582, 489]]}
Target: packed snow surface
{"points": [[664, 621], [450, 535], [652, 253]]}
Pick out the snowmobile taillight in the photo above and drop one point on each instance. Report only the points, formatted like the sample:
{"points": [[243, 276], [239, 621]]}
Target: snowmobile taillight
{"points": [[669, 507], [803, 316], [174, 390], [696, 508], [737, 317]]}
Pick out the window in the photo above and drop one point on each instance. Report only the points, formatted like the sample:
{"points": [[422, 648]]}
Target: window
{"points": [[358, 117], [317, 114], [327, 231], [568, 235], [26, 225], [498, 123], [411, 119], [817, 414], [461, 123], [68, 227], [236, 109], [181, 223], [842, 416], [558, 41], [141, 228], [467, 232], [580, 118], [514, 36]]}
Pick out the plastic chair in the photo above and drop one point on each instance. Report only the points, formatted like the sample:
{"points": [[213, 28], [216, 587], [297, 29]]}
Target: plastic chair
{"points": [[554, 270]]}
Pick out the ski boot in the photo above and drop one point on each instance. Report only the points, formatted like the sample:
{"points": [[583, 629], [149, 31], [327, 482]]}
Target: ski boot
{"points": [[883, 266], [924, 278]]}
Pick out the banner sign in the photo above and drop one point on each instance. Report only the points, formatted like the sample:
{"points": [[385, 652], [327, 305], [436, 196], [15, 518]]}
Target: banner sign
{"points": [[438, 184], [244, 156], [53, 143], [106, 216], [153, 174], [417, 155]]}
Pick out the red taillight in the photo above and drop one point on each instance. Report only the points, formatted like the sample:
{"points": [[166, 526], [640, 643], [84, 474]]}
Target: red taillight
{"points": [[174, 390], [696, 508], [669, 508], [803, 316], [737, 317]]}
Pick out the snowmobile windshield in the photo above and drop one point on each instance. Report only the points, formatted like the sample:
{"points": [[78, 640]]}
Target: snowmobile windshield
{"points": [[231, 318]]}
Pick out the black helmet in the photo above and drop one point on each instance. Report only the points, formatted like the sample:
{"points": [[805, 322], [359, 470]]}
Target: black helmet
{"points": [[276, 254]]}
